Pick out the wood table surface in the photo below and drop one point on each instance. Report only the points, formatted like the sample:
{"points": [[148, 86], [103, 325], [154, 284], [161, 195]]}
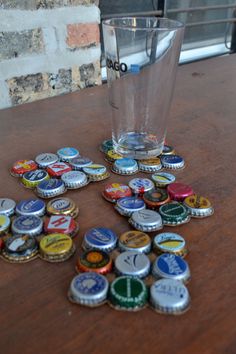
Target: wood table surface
{"points": [[35, 315]]}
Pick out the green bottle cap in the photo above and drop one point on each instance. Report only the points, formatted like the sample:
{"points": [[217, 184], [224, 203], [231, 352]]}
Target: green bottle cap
{"points": [[174, 213], [127, 293]]}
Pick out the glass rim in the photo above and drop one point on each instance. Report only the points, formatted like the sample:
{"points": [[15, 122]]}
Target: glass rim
{"points": [[175, 25]]}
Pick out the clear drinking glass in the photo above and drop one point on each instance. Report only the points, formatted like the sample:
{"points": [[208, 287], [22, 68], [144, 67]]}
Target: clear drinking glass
{"points": [[142, 55]]}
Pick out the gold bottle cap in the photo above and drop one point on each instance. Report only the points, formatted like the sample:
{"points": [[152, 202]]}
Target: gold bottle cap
{"points": [[62, 206], [198, 206], [135, 241], [56, 247]]}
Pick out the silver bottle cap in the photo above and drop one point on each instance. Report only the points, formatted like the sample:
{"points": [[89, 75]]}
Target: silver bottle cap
{"points": [[46, 159], [132, 263], [170, 266], [146, 220], [170, 242], [50, 188], [163, 179], [31, 207], [7, 206], [29, 225], [169, 296], [80, 162], [100, 238], [198, 206], [150, 165], [74, 179], [172, 162], [125, 166], [89, 288], [141, 185], [128, 205], [67, 153]]}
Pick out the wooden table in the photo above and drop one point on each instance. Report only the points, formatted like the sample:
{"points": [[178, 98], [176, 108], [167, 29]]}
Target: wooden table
{"points": [[35, 315]]}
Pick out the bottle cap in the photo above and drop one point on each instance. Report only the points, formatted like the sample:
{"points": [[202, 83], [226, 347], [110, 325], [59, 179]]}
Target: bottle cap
{"points": [[89, 289], [128, 205], [7, 206], [125, 166], [50, 188], [22, 166], [127, 293], [135, 241], [169, 296], [146, 220], [162, 179], [27, 224], [141, 185], [168, 150], [106, 145], [74, 179], [132, 263], [170, 242], [5, 222], [114, 191], [67, 153], [174, 213], [62, 206], [31, 207], [32, 178], [80, 162], [198, 206], [45, 159], [150, 165], [170, 266], [172, 162], [57, 169], [56, 247], [100, 238], [156, 197], [111, 156], [21, 248], [62, 224], [96, 172], [179, 191], [94, 261]]}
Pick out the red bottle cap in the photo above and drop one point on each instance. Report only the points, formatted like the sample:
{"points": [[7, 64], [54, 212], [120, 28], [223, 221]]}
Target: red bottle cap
{"points": [[64, 224], [22, 166], [58, 168], [115, 191], [179, 191]]}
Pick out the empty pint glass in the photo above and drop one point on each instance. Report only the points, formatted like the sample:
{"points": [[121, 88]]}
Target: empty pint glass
{"points": [[142, 56]]}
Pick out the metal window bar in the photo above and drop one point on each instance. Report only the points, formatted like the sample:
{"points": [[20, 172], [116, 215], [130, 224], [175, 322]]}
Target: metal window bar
{"points": [[202, 8]]}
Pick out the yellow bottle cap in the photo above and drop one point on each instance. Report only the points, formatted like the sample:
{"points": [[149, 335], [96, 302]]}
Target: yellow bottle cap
{"points": [[56, 246], [135, 241]]}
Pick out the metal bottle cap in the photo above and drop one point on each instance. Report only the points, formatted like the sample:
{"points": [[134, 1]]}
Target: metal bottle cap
{"points": [[96, 172], [168, 150], [56, 247], [174, 213], [169, 296], [27, 224], [114, 191], [146, 220], [57, 169], [132, 263], [100, 238], [128, 293], [179, 191], [67, 153], [32, 178], [62, 206], [141, 185], [80, 162], [96, 261], [50, 188], [63, 224], [198, 206], [125, 166], [22, 166], [150, 165], [45, 159], [74, 179], [162, 179], [89, 289], [106, 145], [128, 205], [20, 248], [5, 222], [170, 242], [156, 197], [172, 162], [135, 241], [31, 207], [111, 156], [7, 206], [170, 266]]}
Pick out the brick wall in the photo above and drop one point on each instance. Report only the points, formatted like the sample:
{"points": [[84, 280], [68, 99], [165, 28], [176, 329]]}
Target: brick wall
{"points": [[47, 48]]}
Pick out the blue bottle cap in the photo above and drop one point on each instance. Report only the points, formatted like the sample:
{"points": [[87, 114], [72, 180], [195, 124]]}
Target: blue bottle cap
{"points": [[172, 162], [141, 185], [128, 205], [100, 238], [31, 207], [79, 162], [31, 225], [67, 153], [125, 166], [50, 188], [171, 266]]}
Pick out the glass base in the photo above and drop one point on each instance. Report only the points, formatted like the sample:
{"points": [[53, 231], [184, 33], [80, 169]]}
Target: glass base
{"points": [[138, 145]]}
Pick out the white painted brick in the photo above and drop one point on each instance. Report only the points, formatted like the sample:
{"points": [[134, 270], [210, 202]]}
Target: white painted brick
{"points": [[50, 39], [5, 100]]}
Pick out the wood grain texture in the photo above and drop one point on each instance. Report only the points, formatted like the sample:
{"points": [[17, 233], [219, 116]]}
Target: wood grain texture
{"points": [[35, 315]]}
